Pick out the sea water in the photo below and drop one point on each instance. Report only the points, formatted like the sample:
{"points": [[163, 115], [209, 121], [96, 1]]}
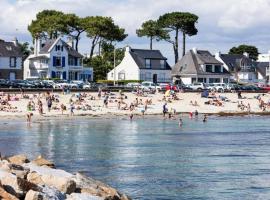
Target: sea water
{"points": [[152, 158]]}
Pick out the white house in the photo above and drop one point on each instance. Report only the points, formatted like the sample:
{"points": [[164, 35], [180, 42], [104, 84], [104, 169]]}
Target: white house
{"points": [[142, 64], [10, 60], [55, 59], [199, 66], [241, 67]]}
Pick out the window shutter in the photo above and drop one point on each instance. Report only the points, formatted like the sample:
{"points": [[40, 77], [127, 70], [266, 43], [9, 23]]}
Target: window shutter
{"points": [[54, 61], [53, 74], [63, 61], [65, 75]]}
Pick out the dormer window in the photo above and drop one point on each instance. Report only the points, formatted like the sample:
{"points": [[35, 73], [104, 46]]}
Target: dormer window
{"points": [[58, 48], [162, 64], [148, 63], [208, 68], [12, 62], [8, 48]]}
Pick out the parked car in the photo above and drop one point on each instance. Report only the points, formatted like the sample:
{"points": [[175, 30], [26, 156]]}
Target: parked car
{"points": [[20, 84], [147, 85], [197, 86], [133, 85], [86, 86], [232, 87], [4, 83]]}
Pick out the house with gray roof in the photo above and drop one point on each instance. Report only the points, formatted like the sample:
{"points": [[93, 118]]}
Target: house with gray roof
{"points": [[199, 66], [55, 59], [10, 60], [241, 67], [143, 65]]}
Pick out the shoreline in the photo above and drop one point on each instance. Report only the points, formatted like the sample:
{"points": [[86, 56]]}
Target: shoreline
{"points": [[37, 118]]}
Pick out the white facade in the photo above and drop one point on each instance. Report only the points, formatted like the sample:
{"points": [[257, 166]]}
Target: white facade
{"points": [[55, 63], [129, 70], [126, 70], [244, 75], [264, 57]]}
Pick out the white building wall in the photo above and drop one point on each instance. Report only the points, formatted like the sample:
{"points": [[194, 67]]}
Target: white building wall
{"points": [[186, 80], [4, 63], [127, 66]]}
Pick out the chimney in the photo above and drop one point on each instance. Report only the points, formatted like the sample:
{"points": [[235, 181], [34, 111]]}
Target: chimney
{"points": [[15, 41], [246, 54], [194, 49], [128, 48], [37, 46], [217, 54], [70, 42]]}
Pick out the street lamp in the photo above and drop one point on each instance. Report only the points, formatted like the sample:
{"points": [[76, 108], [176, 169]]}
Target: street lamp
{"points": [[114, 52]]}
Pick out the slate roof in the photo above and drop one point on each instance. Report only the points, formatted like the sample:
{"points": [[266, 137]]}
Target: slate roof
{"points": [[49, 43], [8, 49], [261, 67], [190, 64], [139, 56], [233, 61]]}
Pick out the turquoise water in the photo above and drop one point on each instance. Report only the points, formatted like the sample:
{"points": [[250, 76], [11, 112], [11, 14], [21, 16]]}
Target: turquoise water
{"points": [[225, 158]]}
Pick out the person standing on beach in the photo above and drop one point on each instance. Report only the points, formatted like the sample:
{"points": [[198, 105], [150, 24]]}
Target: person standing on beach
{"points": [[49, 103], [29, 117], [180, 122], [204, 118], [72, 109], [40, 107], [165, 109]]}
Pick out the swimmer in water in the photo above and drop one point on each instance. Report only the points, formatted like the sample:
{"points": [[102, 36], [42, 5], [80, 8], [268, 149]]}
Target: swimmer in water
{"points": [[29, 117], [180, 122], [131, 116], [204, 118]]}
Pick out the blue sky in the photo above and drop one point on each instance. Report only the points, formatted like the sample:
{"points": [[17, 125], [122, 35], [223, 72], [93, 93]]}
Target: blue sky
{"points": [[222, 24]]}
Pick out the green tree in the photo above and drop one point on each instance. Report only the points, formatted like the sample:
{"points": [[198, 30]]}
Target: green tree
{"points": [[48, 24], [75, 27], [152, 30], [175, 23], [251, 50], [102, 29], [104, 63], [25, 49]]}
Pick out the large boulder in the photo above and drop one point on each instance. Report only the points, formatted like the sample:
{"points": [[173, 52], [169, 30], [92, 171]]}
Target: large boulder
{"points": [[90, 186], [46, 193], [40, 161], [17, 186], [83, 196], [18, 159], [51, 177], [5, 195]]}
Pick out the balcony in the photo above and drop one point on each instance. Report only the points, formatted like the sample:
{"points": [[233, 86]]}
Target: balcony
{"points": [[74, 67]]}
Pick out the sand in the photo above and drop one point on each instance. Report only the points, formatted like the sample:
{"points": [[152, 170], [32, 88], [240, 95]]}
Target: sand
{"points": [[181, 106]]}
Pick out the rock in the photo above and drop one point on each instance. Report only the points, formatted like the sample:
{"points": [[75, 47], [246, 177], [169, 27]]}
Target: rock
{"points": [[33, 195], [17, 186], [94, 187], [5, 165], [65, 185], [5, 195], [40, 161], [18, 159], [81, 196], [46, 193], [51, 177], [34, 177]]}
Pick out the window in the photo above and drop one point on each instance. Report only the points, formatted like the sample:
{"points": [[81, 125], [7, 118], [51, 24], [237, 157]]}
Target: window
{"points": [[193, 80], [121, 76], [225, 80], [217, 69], [208, 68], [161, 77], [148, 63], [142, 76], [214, 80], [148, 76], [162, 64], [12, 61], [58, 48], [202, 80], [111, 75], [56, 61], [70, 61], [58, 75]]}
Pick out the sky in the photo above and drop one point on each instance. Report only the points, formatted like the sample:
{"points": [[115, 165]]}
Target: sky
{"points": [[222, 24]]}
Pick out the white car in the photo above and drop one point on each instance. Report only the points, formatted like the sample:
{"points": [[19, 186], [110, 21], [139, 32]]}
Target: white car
{"points": [[86, 86], [197, 86], [220, 87], [147, 85], [133, 85]]}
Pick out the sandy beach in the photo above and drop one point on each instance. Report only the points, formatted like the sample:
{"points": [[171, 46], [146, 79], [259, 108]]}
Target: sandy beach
{"points": [[89, 104]]}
